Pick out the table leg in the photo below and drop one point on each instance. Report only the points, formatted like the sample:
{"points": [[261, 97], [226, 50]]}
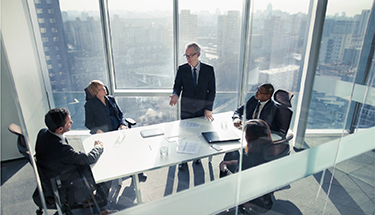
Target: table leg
{"points": [[136, 189], [119, 181]]}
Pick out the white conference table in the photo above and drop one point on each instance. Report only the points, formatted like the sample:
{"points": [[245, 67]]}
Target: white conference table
{"points": [[127, 153]]}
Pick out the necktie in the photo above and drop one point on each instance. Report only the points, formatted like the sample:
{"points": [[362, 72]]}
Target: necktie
{"points": [[256, 112], [195, 78]]}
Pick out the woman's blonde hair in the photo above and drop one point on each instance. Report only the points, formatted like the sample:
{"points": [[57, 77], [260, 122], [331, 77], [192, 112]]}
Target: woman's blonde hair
{"points": [[94, 87]]}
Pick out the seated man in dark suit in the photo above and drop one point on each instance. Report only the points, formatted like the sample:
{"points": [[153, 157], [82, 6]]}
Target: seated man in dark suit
{"points": [[55, 157], [260, 106]]}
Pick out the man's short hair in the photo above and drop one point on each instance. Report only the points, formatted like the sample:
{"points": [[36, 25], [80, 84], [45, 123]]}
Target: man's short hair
{"points": [[269, 88], [55, 118], [197, 48]]}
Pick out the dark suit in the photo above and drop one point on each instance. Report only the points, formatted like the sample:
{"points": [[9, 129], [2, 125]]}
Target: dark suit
{"points": [[55, 157], [96, 118], [269, 113], [195, 102]]}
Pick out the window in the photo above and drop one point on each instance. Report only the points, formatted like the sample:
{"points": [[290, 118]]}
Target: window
{"points": [[218, 31], [142, 44], [78, 49]]}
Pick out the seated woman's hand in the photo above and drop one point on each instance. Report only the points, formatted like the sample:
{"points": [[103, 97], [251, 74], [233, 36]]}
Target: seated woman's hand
{"points": [[121, 127], [99, 131], [223, 165]]}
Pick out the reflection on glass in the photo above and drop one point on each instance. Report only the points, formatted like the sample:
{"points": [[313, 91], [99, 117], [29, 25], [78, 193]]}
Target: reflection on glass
{"points": [[73, 46], [147, 110], [142, 43]]}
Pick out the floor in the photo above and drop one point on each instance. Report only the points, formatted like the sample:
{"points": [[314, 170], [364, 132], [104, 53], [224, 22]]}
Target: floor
{"points": [[352, 191]]}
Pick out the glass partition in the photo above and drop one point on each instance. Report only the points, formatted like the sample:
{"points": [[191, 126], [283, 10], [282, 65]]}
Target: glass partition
{"points": [[143, 60]]}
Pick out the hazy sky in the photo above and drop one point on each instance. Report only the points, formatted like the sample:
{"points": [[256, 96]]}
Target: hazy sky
{"points": [[291, 6]]}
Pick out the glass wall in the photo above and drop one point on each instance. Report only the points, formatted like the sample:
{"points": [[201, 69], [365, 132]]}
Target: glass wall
{"points": [[341, 51], [143, 62]]}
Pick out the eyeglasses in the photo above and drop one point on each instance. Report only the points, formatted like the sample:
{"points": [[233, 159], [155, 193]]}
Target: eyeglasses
{"points": [[189, 56], [103, 88]]}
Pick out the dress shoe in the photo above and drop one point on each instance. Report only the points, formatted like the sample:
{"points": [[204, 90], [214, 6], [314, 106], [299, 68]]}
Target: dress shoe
{"points": [[198, 161], [181, 166]]}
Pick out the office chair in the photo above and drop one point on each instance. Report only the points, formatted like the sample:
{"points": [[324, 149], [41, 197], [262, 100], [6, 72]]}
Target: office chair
{"points": [[283, 99], [89, 96], [51, 188], [21, 142]]}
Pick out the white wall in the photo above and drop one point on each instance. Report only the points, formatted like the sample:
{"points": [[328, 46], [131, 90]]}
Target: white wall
{"points": [[24, 68], [8, 115]]}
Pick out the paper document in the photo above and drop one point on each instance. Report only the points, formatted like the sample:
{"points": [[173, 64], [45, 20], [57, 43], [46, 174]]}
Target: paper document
{"points": [[188, 146], [188, 124]]}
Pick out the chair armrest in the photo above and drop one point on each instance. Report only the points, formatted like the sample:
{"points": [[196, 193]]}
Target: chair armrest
{"points": [[130, 122]]}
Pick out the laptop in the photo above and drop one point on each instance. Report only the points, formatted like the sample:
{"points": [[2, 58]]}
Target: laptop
{"points": [[222, 136]]}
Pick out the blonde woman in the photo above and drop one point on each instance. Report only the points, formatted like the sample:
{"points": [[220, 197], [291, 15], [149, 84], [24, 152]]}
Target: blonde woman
{"points": [[102, 113]]}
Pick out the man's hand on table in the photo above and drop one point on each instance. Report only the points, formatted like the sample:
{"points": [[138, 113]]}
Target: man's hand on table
{"points": [[237, 123], [208, 115]]}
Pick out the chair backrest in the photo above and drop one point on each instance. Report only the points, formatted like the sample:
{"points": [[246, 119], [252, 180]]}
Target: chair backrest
{"points": [[89, 95], [21, 142], [283, 98]]}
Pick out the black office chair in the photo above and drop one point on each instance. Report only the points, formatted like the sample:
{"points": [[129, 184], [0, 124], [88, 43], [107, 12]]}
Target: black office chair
{"points": [[89, 96], [283, 100], [52, 188]]}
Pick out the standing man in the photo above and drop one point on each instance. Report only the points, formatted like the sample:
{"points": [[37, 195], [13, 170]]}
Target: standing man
{"points": [[260, 106], [196, 80], [55, 157]]}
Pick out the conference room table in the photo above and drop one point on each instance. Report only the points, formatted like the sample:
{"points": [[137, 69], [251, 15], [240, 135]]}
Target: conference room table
{"points": [[127, 153]]}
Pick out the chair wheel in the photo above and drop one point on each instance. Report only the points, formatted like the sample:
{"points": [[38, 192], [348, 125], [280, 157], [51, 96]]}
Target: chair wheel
{"points": [[39, 212]]}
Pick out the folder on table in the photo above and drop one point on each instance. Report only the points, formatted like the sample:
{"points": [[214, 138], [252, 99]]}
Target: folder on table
{"points": [[222, 136]]}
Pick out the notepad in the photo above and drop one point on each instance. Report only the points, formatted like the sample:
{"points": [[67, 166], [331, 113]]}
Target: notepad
{"points": [[151, 132]]}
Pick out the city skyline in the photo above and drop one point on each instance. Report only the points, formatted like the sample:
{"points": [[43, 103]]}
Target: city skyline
{"points": [[333, 7]]}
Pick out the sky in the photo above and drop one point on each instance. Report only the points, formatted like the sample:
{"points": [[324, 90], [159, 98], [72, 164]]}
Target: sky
{"points": [[291, 6]]}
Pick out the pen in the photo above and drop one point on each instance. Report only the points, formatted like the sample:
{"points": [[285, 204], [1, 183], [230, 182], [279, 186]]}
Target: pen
{"points": [[150, 147]]}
